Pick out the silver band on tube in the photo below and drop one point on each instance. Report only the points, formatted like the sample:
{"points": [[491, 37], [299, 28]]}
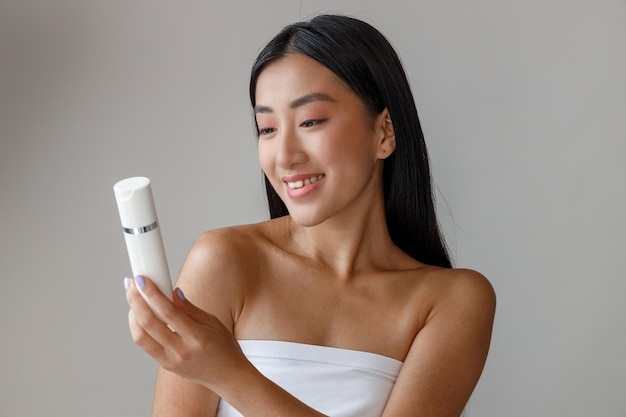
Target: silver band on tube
{"points": [[140, 230]]}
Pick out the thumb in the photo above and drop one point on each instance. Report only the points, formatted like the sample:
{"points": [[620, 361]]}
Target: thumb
{"points": [[191, 310]]}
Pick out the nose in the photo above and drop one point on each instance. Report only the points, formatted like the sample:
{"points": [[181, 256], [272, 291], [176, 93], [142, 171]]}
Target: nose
{"points": [[289, 151]]}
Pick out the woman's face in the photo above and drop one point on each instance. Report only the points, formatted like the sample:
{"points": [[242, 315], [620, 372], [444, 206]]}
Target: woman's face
{"points": [[318, 145]]}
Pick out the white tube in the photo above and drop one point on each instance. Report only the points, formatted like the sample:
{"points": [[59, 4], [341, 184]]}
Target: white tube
{"points": [[142, 233]]}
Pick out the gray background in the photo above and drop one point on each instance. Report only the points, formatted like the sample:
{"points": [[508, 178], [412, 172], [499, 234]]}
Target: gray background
{"points": [[523, 104]]}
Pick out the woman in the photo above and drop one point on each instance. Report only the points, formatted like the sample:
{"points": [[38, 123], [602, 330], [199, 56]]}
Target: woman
{"points": [[345, 302]]}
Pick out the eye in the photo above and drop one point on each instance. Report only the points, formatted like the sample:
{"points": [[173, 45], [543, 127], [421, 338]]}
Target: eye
{"points": [[266, 131], [312, 122]]}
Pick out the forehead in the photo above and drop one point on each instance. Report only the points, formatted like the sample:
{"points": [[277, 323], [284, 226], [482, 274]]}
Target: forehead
{"points": [[296, 75]]}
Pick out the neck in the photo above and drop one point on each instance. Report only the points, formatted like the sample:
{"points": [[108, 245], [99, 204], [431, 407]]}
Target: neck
{"points": [[346, 244]]}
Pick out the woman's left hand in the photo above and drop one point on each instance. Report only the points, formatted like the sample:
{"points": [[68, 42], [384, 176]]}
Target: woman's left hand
{"points": [[187, 341]]}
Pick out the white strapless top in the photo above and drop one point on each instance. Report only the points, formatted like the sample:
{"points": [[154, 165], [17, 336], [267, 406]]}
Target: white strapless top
{"points": [[336, 382]]}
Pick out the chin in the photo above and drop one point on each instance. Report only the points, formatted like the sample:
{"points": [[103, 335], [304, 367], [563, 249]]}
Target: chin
{"points": [[306, 219]]}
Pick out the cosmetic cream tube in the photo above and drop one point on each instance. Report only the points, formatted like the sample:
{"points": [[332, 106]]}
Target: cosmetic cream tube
{"points": [[142, 233]]}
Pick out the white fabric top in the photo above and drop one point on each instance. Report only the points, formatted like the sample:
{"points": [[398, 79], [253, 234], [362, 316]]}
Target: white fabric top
{"points": [[333, 381]]}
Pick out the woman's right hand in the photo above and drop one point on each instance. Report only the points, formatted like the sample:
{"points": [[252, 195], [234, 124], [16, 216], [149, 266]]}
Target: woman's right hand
{"points": [[188, 342]]}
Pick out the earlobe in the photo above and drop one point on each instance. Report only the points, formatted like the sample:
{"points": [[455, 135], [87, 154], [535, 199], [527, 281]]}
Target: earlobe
{"points": [[386, 134]]}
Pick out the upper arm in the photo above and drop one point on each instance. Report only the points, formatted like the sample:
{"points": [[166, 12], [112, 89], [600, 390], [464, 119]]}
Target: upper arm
{"points": [[448, 354], [211, 280], [175, 396], [213, 273]]}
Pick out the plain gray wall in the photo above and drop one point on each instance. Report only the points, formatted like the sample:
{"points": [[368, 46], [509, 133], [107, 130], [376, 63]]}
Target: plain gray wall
{"points": [[524, 108]]}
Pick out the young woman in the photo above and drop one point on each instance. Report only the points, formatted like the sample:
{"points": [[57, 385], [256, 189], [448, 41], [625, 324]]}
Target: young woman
{"points": [[345, 303]]}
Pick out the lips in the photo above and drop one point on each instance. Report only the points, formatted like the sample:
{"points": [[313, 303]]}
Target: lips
{"points": [[295, 184], [301, 185]]}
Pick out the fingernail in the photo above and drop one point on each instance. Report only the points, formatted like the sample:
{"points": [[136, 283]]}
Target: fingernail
{"points": [[126, 283], [180, 294], [140, 281]]}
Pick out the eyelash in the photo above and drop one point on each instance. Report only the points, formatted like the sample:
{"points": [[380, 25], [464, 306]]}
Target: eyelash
{"points": [[312, 122], [266, 131], [305, 124]]}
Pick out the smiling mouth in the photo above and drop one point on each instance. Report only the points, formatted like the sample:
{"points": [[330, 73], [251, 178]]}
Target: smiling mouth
{"points": [[307, 181]]}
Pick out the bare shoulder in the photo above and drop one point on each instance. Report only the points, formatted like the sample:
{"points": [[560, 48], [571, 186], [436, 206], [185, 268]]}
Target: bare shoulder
{"points": [[448, 353], [471, 285], [231, 248], [462, 311], [226, 246], [218, 266], [460, 287], [463, 296]]}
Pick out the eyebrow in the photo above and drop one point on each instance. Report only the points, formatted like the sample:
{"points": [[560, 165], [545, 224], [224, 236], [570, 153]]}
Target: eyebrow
{"points": [[299, 102]]}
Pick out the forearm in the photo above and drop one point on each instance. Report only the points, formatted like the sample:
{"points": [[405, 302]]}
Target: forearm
{"points": [[254, 395]]}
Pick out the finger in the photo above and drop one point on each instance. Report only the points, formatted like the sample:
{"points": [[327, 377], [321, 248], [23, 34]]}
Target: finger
{"points": [[143, 338], [190, 308], [151, 317], [193, 312]]}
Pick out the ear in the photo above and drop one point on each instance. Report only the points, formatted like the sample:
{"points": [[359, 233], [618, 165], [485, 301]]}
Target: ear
{"points": [[385, 134]]}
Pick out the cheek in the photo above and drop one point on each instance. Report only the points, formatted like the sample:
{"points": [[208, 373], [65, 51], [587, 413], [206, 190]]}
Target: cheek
{"points": [[264, 157], [266, 161], [351, 146]]}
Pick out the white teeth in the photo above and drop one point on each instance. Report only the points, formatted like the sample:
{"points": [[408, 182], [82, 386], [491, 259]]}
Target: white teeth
{"points": [[302, 183]]}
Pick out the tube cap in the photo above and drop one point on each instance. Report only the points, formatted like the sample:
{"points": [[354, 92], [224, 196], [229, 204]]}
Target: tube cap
{"points": [[135, 202]]}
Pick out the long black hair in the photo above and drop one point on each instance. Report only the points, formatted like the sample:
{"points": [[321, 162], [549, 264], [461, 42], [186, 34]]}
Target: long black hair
{"points": [[363, 58]]}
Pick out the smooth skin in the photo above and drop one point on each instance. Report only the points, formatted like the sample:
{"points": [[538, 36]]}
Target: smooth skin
{"points": [[328, 274]]}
